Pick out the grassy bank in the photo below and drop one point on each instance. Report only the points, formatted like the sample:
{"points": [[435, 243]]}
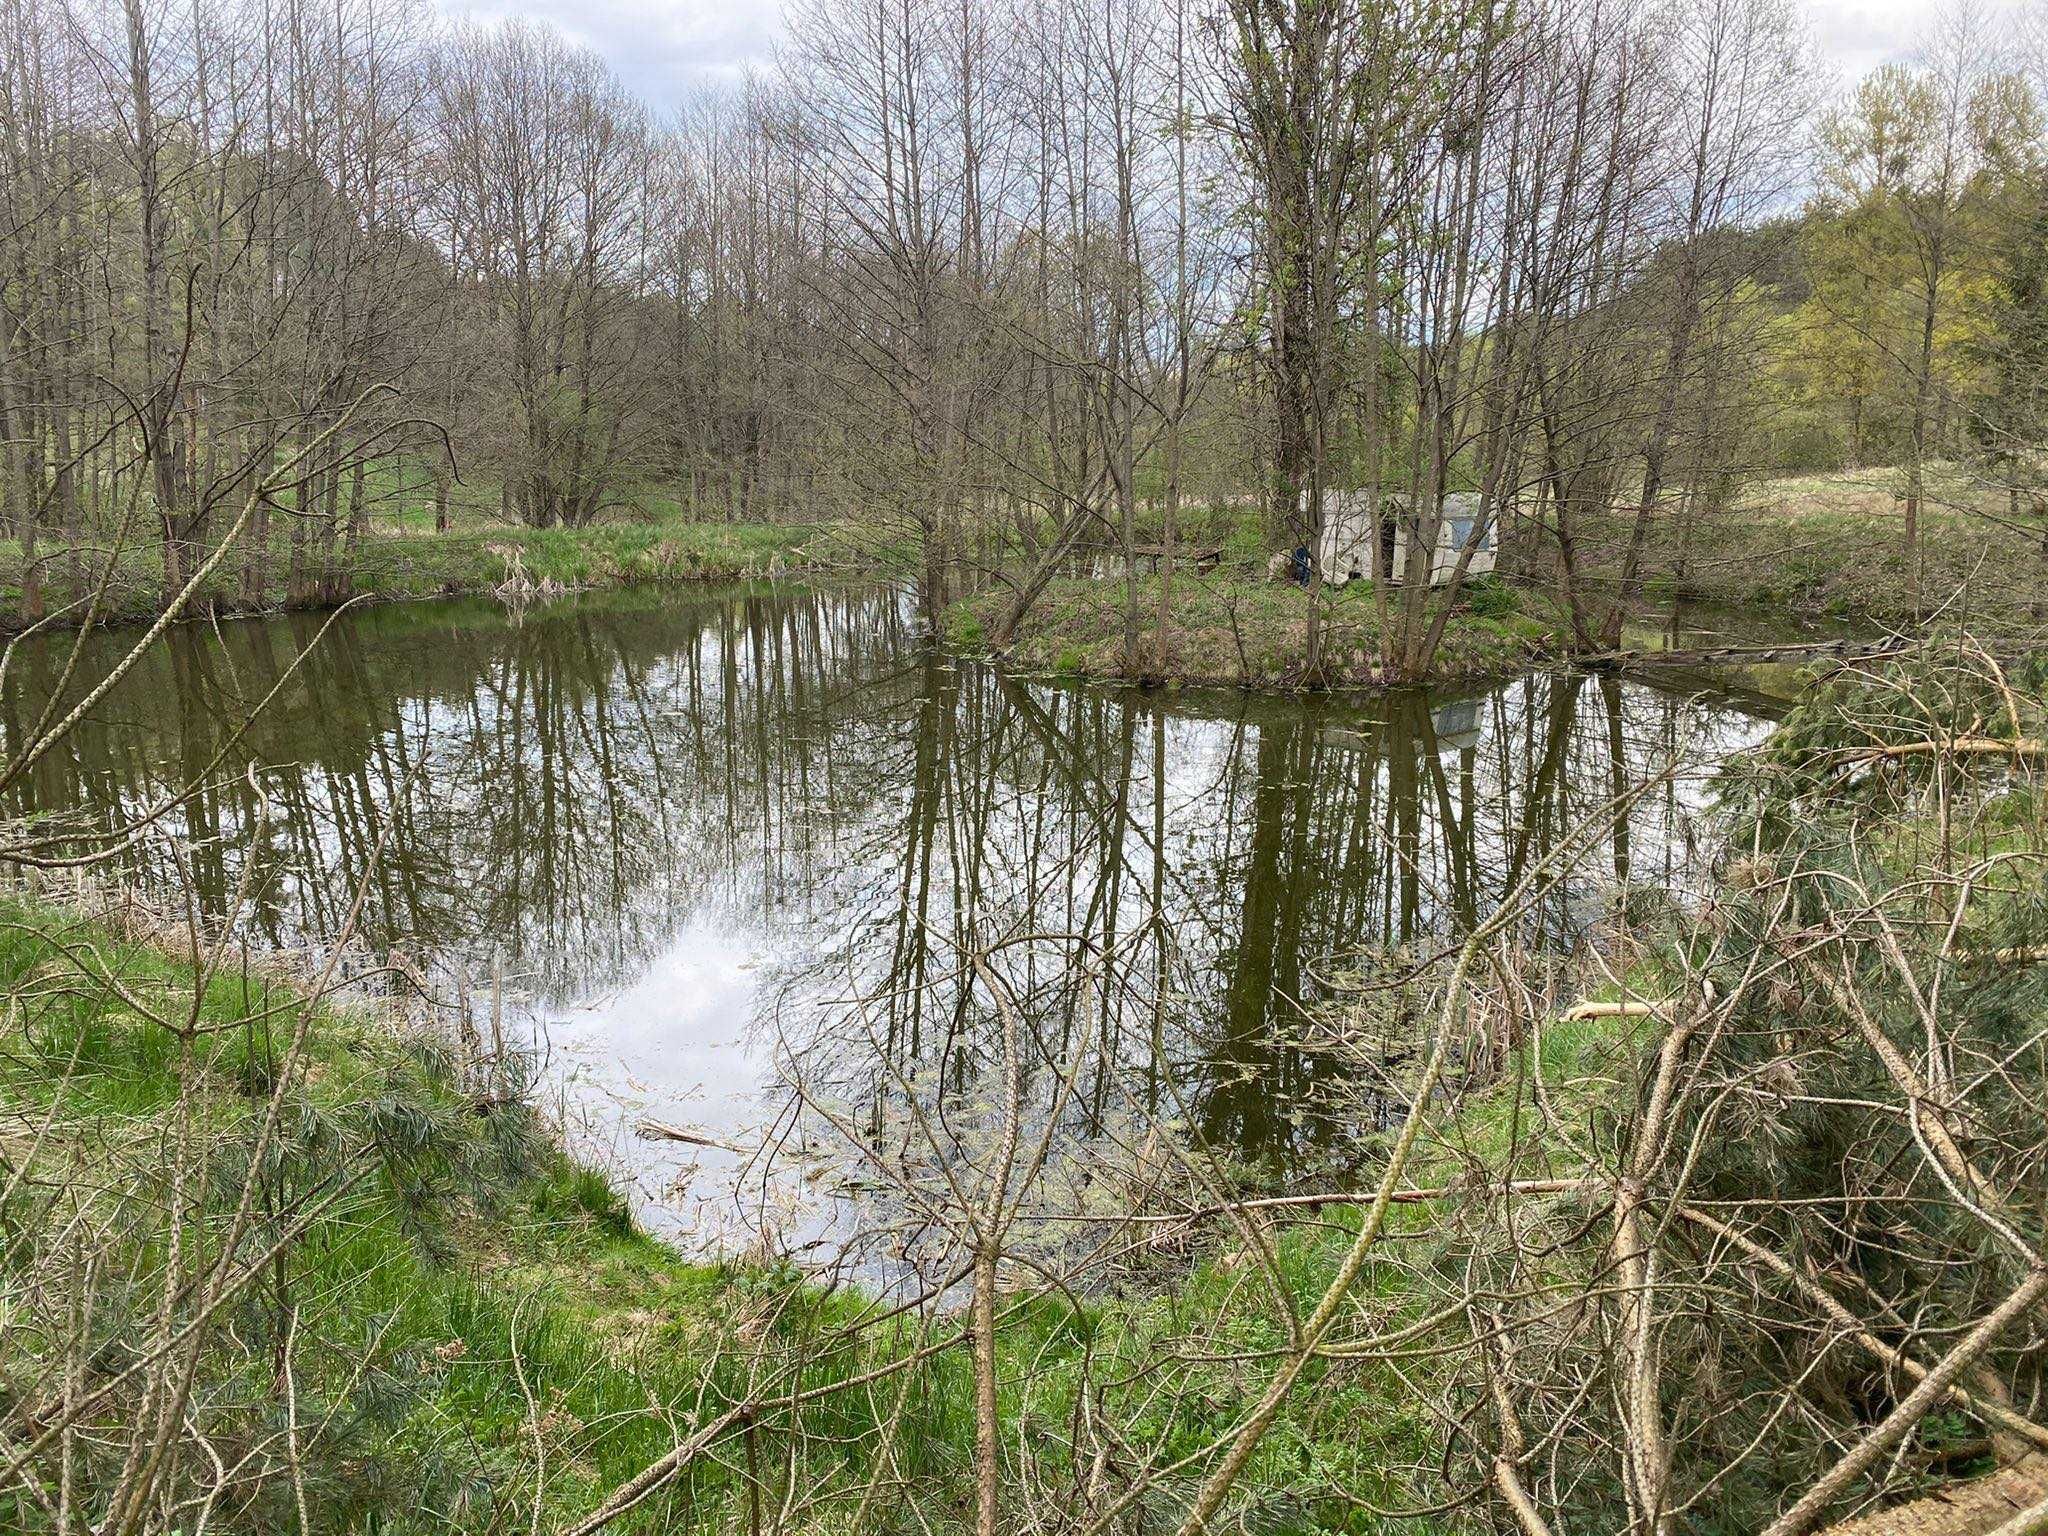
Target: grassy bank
{"points": [[1233, 627], [401, 558], [1814, 548], [458, 1322], [1831, 546], [436, 1320]]}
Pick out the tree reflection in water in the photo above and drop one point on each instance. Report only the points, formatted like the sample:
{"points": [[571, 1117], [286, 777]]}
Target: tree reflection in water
{"points": [[730, 845]]}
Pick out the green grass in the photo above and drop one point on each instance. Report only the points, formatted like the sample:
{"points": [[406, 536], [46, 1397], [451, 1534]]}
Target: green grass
{"points": [[478, 1295], [402, 557], [1234, 628], [1833, 546], [472, 1241]]}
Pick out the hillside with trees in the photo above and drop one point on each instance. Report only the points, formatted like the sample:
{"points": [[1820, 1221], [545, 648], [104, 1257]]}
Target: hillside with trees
{"points": [[1004, 284]]}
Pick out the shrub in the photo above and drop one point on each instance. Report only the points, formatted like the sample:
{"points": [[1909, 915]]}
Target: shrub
{"points": [[963, 628], [1488, 597]]}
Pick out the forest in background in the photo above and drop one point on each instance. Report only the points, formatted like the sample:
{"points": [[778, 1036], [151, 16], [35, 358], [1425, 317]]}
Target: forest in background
{"points": [[1009, 282]]}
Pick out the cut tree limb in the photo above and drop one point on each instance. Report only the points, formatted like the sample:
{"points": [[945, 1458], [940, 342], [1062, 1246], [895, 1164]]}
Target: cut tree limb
{"points": [[1578, 1013], [1956, 746], [1805, 1513], [1992, 1413]]}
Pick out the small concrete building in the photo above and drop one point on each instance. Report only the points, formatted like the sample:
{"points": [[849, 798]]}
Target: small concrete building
{"points": [[1364, 535]]}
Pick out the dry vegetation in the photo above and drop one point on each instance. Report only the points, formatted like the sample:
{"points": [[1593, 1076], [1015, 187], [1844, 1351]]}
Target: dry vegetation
{"points": [[1725, 1216]]}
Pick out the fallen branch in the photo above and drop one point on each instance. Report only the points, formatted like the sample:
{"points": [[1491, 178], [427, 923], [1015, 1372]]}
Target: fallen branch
{"points": [[1464, 1190], [1853, 1328], [1509, 1482], [658, 1130], [1956, 746], [1579, 1013], [1897, 1424]]}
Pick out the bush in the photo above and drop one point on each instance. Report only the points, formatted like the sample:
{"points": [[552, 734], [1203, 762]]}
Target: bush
{"points": [[963, 629], [1488, 597]]}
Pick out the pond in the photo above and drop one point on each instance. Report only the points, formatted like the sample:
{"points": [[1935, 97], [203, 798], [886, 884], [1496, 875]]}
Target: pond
{"points": [[731, 853]]}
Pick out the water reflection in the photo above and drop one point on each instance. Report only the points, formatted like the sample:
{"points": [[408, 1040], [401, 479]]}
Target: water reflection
{"points": [[735, 841]]}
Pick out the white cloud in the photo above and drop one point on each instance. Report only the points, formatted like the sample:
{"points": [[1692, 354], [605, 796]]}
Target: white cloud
{"points": [[662, 49], [1855, 36]]}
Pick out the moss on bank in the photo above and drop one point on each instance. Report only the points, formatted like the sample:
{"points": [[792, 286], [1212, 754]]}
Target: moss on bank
{"points": [[1232, 627]]}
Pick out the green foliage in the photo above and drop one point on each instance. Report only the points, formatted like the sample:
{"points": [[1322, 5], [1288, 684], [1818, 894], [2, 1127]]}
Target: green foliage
{"points": [[1488, 597], [403, 558], [1233, 627], [571, 1194], [964, 628]]}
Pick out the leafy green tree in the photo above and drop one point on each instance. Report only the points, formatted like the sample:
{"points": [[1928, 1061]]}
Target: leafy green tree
{"points": [[1914, 166], [2009, 416]]}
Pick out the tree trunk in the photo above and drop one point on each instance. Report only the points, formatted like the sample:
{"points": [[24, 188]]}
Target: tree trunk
{"points": [[1916, 472]]}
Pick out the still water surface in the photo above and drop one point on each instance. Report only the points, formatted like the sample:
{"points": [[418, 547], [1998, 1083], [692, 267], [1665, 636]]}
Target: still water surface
{"points": [[724, 843]]}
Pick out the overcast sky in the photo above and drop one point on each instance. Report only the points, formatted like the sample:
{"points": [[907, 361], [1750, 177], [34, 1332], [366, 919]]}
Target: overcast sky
{"points": [[664, 48], [1855, 35]]}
